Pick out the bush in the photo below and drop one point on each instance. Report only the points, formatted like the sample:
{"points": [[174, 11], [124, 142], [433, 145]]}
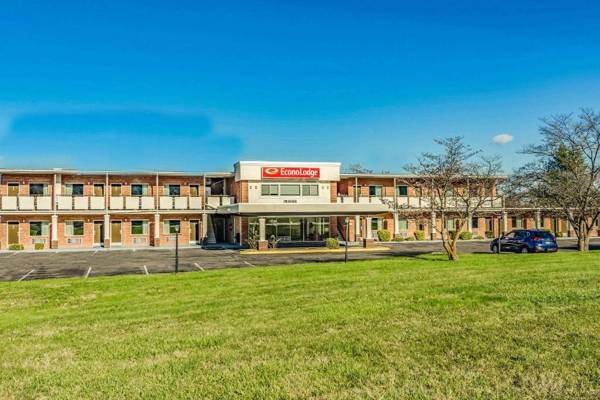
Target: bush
{"points": [[383, 235], [465, 235], [399, 239], [411, 238], [332, 243], [479, 237], [419, 235], [38, 246], [252, 238], [16, 246], [489, 234]]}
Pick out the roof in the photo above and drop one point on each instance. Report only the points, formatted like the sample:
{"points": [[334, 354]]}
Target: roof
{"points": [[108, 172]]}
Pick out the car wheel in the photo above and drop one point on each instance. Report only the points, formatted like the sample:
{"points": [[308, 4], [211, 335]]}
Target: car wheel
{"points": [[494, 249], [524, 250]]}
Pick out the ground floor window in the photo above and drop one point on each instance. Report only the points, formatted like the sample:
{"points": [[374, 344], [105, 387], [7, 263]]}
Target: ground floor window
{"points": [[517, 222], [295, 229], [403, 224], [475, 222], [74, 228], [171, 226], [139, 227], [38, 228]]}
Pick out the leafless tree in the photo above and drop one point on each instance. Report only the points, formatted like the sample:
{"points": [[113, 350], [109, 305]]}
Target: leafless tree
{"points": [[564, 175], [458, 182], [358, 169]]}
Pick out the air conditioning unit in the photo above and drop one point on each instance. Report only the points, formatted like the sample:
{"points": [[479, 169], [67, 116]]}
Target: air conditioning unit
{"points": [[74, 240], [38, 240], [139, 240]]}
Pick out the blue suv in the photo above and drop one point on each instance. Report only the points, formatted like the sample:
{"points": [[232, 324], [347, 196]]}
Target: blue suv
{"points": [[526, 241]]}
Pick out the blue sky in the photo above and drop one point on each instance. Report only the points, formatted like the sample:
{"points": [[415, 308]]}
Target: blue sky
{"points": [[198, 85]]}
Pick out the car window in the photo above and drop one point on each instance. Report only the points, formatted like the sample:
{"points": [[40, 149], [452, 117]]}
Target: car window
{"points": [[510, 235], [521, 235], [546, 235]]}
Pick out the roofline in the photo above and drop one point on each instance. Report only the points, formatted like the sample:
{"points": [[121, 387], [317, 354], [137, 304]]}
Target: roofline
{"points": [[391, 175], [52, 171]]}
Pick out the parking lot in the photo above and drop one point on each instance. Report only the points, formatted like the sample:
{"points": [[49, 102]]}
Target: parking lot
{"points": [[16, 266]]}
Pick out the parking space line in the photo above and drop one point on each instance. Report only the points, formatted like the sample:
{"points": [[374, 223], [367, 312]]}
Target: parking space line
{"points": [[198, 266], [26, 275], [88, 272], [146, 270], [247, 263]]}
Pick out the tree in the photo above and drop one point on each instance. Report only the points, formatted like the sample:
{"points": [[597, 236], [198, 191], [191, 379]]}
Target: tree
{"points": [[564, 174], [458, 182], [358, 169]]}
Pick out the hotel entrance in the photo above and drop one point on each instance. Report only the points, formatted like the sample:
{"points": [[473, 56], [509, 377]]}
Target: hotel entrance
{"points": [[293, 229]]}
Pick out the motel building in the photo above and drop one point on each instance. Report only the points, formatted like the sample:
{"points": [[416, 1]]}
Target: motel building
{"points": [[290, 203]]}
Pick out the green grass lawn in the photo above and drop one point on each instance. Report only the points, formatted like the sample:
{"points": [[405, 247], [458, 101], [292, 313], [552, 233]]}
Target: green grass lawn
{"points": [[508, 326]]}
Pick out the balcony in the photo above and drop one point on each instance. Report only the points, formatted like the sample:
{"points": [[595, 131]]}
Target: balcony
{"points": [[180, 203], [67, 203], [139, 203], [26, 203], [216, 201]]}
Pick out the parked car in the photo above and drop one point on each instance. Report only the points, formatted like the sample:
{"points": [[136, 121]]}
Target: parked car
{"points": [[526, 241]]}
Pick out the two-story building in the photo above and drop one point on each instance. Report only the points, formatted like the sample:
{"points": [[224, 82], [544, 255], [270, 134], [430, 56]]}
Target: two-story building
{"points": [[290, 202]]}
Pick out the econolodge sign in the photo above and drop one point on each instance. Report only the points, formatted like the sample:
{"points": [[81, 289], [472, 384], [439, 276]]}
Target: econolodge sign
{"points": [[291, 173]]}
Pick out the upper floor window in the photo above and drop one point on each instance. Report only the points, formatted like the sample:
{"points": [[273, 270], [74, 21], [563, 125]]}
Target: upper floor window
{"points": [[172, 190], [74, 189], [38, 189], [115, 189], [269, 190], [357, 190], [376, 190], [310, 190], [290, 190], [139, 189], [401, 190]]}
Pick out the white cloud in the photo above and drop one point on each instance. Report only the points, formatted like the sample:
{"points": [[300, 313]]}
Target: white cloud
{"points": [[502, 138]]}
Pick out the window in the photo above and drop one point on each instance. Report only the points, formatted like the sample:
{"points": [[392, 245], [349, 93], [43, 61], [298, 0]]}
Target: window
{"points": [[357, 190], [13, 189], [517, 222], [74, 228], [290, 190], [403, 224], [449, 192], [115, 189], [172, 226], [139, 189], [74, 189], [402, 190], [376, 191], [475, 222], [38, 228], [99, 190], [269, 190], [450, 224], [38, 189], [172, 190], [194, 191], [376, 224], [310, 190], [139, 227]]}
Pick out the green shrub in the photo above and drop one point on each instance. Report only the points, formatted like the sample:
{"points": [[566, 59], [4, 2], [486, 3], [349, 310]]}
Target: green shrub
{"points": [[466, 235], [38, 246], [399, 239], [412, 238], [383, 235], [479, 237], [489, 234], [16, 246], [419, 235], [332, 243]]}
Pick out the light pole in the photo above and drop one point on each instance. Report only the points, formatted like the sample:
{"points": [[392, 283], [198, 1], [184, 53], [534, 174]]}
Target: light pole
{"points": [[177, 249], [347, 220]]}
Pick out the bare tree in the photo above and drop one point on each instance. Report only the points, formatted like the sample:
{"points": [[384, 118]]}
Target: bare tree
{"points": [[458, 182], [358, 169], [564, 175]]}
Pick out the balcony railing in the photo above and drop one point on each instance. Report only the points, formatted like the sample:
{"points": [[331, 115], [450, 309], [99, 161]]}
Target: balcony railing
{"points": [[79, 203], [180, 203], [216, 201], [414, 202], [26, 203]]}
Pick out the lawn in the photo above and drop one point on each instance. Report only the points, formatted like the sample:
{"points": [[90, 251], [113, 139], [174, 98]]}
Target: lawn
{"points": [[489, 326]]}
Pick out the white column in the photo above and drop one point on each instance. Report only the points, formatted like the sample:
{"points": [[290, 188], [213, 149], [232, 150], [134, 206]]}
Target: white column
{"points": [[356, 227], [106, 227], [538, 219], [369, 232], [204, 225], [470, 223], [433, 227], [54, 229], [262, 229], [396, 224], [157, 226], [504, 222]]}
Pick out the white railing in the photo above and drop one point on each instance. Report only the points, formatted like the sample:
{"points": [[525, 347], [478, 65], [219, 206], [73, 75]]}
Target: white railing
{"points": [[97, 203], [216, 201], [415, 202], [116, 203], [26, 203]]}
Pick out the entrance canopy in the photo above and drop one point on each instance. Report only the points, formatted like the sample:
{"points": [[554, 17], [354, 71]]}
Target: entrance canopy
{"points": [[330, 209]]}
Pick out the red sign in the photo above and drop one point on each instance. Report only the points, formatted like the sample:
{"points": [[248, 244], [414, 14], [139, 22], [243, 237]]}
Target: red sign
{"points": [[291, 173]]}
